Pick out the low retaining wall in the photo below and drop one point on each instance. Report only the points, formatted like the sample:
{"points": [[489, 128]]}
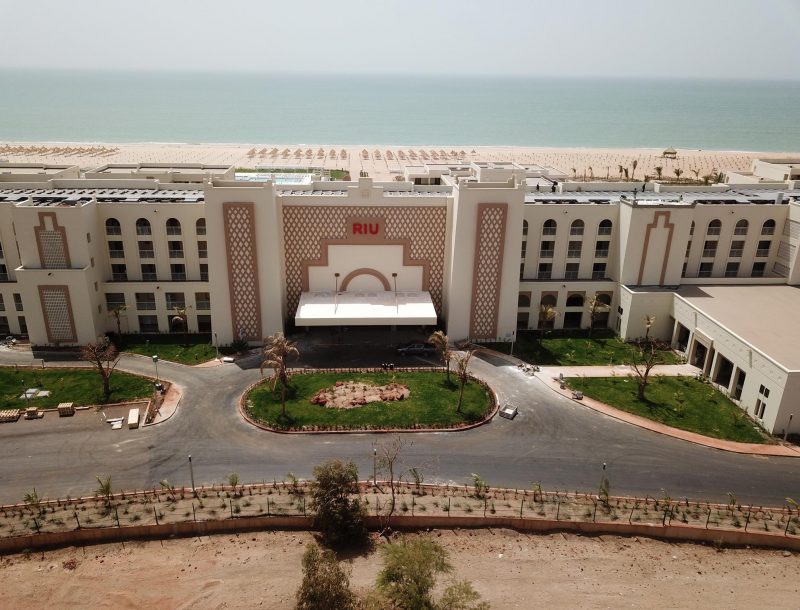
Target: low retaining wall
{"points": [[685, 533]]}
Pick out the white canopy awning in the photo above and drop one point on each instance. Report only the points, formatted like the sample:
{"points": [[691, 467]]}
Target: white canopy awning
{"points": [[365, 309]]}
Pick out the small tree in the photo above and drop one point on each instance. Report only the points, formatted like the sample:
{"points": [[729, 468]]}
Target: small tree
{"points": [[659, 170], [649, 320], [31, 499], [408, 577], [337, 514], [388, 455], [462, 372], [104, 356], [643, 359], [277, 350], [104, 488], [547, 314], [116, 313], [325, 583], [678, 172], [442, 344], [596, 307], [179, 320], [634, 163]]}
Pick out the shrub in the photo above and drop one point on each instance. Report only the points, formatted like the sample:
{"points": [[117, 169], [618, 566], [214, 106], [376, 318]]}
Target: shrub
{"points": [[325, 584], [338, 515]]}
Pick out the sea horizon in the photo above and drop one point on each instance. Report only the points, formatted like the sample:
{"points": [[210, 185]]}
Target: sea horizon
{"points": [[213, 108]]}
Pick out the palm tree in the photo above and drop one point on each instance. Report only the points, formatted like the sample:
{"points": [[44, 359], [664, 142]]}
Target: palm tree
{"points": [[634, 163], [649, 320], [621, 169], [574, 172], [442, 345], [696, 172], [596, 306], [462, 364], [116, 312], [179, 319], [547, 313], [658, 169], [678, 171], [277, 349], [591, 173], [104, 488]]}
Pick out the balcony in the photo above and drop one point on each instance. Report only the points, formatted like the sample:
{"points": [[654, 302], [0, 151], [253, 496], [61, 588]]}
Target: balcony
{"points": [[119, 277], [544, 275], [203, 305], [176, 253], [570, 275], [546, 253], [573, 253], [116, 254], [147, 254], [149, 277], [737, 253], [762, 252], [598, 275], [710, 253], [601, 253], [146, 305], [178, 277]]}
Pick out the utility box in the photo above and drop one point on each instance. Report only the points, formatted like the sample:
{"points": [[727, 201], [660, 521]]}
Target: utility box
{"points": [[66, 409], [133, 419]]}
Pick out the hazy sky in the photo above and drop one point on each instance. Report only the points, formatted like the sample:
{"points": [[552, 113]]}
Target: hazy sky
{"points": [[623, 38]]}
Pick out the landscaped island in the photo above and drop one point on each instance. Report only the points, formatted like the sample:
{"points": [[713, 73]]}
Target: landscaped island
{"points": [[405, 400]]}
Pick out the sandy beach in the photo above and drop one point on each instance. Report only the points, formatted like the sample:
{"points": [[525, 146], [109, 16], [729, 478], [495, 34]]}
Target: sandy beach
{"points": [[385, 162], [509, 569]]}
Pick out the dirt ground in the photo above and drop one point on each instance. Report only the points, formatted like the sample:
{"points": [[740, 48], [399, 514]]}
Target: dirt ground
{"points": [[509, 569]]}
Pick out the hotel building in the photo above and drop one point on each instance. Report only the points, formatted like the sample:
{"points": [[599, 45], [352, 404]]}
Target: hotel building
{"points": [[477, 248]]}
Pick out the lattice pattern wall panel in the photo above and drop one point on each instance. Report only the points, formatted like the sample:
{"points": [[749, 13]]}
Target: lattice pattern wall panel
{"points": [[57, 311], [51, 239], [490, 238], [240, 245], [305, 227]]}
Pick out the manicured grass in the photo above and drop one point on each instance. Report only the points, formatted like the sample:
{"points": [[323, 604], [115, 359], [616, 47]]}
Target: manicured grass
{"points": [[704, 410], [432, 402], [604, 347], [192, 349], [81, 386]]}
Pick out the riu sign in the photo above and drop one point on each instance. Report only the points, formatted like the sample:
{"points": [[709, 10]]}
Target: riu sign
{"points": [[365, 227]]}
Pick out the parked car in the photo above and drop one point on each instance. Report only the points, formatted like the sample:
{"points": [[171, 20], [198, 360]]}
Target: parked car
{"points": [[416, 349]]}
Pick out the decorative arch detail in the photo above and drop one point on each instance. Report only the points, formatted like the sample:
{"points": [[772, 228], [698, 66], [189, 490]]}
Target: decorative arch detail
{"points": [[364, 271]]}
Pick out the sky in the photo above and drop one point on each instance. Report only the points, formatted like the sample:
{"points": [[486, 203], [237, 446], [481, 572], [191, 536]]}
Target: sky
{"points": [[621, 38]]}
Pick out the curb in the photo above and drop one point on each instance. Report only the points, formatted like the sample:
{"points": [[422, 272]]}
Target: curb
{"points": [[492, 412]]}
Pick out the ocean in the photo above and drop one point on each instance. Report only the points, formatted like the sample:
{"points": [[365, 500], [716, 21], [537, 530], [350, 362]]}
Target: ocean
{"points": [[398, 110]]}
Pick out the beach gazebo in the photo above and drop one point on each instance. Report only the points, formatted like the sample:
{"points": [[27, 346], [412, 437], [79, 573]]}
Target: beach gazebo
{"points": [[670, 153]]}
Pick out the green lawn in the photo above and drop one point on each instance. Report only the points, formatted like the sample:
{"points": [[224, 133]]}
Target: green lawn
{"points": [[192, 349], [704, 409], [604, 347], [432, 402], [81, 386]]}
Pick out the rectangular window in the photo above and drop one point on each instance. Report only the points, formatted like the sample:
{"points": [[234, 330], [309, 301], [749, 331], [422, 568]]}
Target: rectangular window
{"points": [[545, 271], [732, 269], [23, 325], [149, 273], [145, 301], [710, 249], [176, 249], [763, 248], [683, 271], [758, 269], [17, 301], [203, 323], [571, 271], [146, 249], [5, 329], [546, 249], [115, 300], [574, 249], [119, 273], [200, 225], [737, 248], [116, 249], [148, 324], [203, 272], [601, 249], [178, 272], [3, 273], [705, 270], [202, 301], [175, 299], [202, 249], [598, 271], [688, 249]]}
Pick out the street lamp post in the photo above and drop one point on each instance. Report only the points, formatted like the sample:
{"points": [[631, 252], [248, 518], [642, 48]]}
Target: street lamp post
{"points": [[374, 466], [155, 362], [396, 305], [336, 293], [216, 344], [191, 473]]}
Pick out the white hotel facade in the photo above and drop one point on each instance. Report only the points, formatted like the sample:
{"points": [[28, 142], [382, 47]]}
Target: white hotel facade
{"points": [[477, 247]]}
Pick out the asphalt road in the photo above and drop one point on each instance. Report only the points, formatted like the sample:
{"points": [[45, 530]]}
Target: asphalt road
{"points": [[553, 440]]}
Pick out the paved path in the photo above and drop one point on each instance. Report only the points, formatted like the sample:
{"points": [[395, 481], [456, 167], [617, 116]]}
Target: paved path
{"points": [[553, 440]]}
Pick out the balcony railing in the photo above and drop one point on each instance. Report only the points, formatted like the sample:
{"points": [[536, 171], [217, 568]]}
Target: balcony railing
{"points": [[116, 253], [709, 253], [601, 253], [4, 277], [546, 253], [570, 275], [147, 254], [145, 305], [178, 277], [176, 304], [113, 230], [203, 305], [173, 230], [768, 231], [119, 277], [737, 253], [604, 231], [176, 253], [204, 276], [762, 252], [144, 231], [573, 253], [544, 275], [598, 275], [149, 277]]}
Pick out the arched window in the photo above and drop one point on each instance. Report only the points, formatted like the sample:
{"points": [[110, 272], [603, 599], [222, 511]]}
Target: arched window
{"points": [[524, 227], [548, 300], [200, 226], [605, 227], [143, 227], [576, 228], [575, 300], [524, 299], [605, 299], [113, 227], [714, 228], [549, 227], [741, 227], [768, 228], [173, 227]]}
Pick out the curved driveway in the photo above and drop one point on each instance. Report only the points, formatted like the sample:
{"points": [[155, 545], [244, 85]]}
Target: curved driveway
{"points": [[553, 440]]}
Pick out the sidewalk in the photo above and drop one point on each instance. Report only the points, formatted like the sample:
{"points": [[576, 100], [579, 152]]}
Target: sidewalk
{"points": [[551, 376], [169, 405]]}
